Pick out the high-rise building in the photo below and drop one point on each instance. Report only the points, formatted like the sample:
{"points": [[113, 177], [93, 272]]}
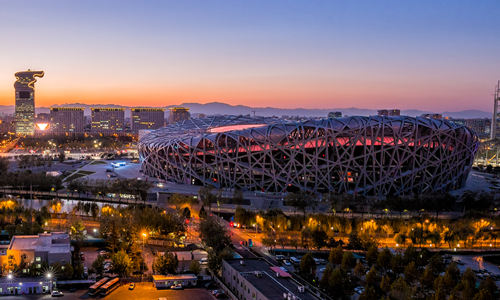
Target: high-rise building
{"points": [[107, 120], [7, 124], [178, 114], [495, 121], [482, 126], [25, 101], [147, 118], [335, 114], [67, 120], [388, 112]]}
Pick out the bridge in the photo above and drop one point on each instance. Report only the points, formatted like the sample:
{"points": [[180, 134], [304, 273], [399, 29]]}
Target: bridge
{"points": [[50, 195]]}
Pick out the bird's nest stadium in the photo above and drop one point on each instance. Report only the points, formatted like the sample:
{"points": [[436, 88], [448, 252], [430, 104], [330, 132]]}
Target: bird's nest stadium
{"points": [[362, 155]]}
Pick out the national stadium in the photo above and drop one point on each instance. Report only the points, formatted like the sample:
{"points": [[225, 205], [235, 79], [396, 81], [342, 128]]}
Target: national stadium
{"points": [[374, 155]]}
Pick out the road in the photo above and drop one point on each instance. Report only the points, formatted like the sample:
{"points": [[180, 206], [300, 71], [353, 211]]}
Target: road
{"points": [[142, 291]]}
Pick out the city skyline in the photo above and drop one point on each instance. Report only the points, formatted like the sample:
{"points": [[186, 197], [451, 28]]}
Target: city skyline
{"points": [[429, 56]]}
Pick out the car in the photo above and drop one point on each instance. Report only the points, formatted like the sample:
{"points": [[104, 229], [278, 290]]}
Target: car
{"points": [[176, 287], [359, 290], [215, 292], [131, 286], [204, 261], [280, 257], [287, 263], [56, 293], [103, 252], [220, 295]]}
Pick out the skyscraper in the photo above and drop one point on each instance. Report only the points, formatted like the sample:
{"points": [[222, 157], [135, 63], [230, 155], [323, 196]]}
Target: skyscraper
{"points": [[67, 120], [178, 114], [107, 120], [25, 101], [495, 121], [147, 118]]}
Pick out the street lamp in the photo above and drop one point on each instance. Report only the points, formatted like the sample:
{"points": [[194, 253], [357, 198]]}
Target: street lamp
{"points": [[144, 236]]}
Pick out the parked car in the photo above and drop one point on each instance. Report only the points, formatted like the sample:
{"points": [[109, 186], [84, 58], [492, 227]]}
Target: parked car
{"points": [[204, 261], [220, 295], [131, 286], [56, 293], [176, 287], [280, 257], [287, 263]]}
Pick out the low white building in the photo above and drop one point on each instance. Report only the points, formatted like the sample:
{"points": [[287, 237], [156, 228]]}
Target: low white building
{"points": [[24, 286], [166, 281]]}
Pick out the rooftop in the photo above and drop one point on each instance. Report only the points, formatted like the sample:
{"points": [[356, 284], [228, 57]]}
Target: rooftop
{"points": [[272, 286], [56, 242], [169, 277]]}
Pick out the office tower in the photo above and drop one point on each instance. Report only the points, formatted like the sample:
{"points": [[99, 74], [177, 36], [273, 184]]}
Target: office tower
{"points": [[107, 121], [482, 126], [334, 114], [67, 120], [388, 112], [25, 101], [495, 121], [178, 114], [147, 118]]}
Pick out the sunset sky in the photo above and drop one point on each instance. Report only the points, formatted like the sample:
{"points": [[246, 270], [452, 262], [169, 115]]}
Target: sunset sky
{"points": [[431, 55]]}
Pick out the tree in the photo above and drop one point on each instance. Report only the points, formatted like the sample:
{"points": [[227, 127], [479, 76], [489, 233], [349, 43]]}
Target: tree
{"points": [[348, 261], [401, 238], [214, 235], [67, 271], [411, 272], [319, 237], [400, 290], [121, 263], [337, 283], [354, 241], [468, 284], [165, 264], [61, 157], [372, 278], [207, 197], [428, 277], [359, 270], [98, 265], [308, 265], [298, 200], [194, 267], [335, 256], [369, 293], [385, 284], [488, 287], [384, 259], [371, 255]]}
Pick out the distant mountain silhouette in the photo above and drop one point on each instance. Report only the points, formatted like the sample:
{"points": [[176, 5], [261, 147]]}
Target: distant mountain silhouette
{"points": [[214, 108]]}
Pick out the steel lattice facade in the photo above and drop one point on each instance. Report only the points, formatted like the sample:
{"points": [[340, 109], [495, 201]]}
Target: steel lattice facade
{"points": [[365, 155]]}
